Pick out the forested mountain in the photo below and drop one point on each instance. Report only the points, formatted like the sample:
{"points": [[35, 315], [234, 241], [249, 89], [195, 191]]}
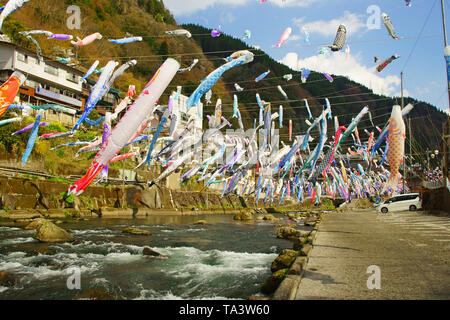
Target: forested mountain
{"points": [[347, 97], [113, 19], [149, 19]]}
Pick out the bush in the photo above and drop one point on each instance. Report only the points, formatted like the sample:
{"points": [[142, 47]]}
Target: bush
{"points": [[68, 199]]}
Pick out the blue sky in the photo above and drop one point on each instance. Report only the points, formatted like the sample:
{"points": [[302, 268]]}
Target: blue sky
{"points": [[424, 72]]}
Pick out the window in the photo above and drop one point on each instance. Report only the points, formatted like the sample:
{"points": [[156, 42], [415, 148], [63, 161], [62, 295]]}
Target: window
{"points": [[32, 60], [72, 77], [22, 57], [184, 117], [55, 90], [394, 199], [51, 70], [31, 83]]}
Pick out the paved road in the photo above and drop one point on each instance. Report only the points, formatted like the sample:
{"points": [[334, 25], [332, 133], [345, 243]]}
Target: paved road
{"points": [[411, 249]]}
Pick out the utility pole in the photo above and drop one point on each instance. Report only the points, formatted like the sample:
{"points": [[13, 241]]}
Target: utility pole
{"points": [[447, 59], [446, 49], [404, 157]]}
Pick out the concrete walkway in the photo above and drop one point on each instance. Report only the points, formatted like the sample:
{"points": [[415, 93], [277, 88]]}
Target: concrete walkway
{"points": [[411, 249]]}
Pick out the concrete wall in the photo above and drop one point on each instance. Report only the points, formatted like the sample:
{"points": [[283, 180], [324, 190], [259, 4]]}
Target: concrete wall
{"points": [[6, 57]]}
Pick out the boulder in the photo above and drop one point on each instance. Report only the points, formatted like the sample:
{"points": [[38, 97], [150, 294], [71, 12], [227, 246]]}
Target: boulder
{"points": [[299, 243], [259, 217], [284, 260], [243, 215], [136, 231], [290, 233], [271, 284], [7, 279], [298, 266], [35, 224], [49, 232], [306, 249], [269, 217], [152, 253], [259, 211], [310, 223], [200, 222]]}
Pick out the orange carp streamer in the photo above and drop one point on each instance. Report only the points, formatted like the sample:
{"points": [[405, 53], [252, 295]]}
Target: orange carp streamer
{"points": [[396, 146], [9, 89]]}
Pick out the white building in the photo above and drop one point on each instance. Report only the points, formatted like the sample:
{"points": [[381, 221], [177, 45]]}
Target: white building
{"points": [[184, 114], [48, 81]]}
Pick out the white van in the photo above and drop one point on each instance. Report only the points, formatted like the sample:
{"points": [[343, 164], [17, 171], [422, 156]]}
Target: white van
{"points": [[404, 202]]}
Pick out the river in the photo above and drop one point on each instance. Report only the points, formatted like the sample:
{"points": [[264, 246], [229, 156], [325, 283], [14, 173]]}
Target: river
{"points": [[223, 259]]}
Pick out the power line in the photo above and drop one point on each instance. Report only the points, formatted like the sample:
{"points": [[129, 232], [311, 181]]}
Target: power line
{"points": [[420, 33]]}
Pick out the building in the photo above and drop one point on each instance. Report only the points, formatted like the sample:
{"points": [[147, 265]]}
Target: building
{"points": [[183, 115], [50, 82], [445, 148]]}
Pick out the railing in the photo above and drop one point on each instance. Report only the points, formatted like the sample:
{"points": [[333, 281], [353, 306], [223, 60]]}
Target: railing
{"points": [[433, 184]]}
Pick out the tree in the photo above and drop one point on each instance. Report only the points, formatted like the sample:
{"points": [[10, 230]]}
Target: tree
{"points": [[163, 49]]}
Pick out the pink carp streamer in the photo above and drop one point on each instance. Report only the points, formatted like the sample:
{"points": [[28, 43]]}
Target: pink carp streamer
{"points": [[129, 123], [87, 40], [284, 37]]}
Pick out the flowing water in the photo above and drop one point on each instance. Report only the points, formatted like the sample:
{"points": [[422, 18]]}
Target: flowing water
{"points": [[223, 259]]}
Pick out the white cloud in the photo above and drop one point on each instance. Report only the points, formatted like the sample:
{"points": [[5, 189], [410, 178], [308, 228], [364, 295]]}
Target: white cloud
{"points": [[294, 37], [294, 3], [338, 64], [227, 17], [399, 93], [353, 23], [184, 7]]}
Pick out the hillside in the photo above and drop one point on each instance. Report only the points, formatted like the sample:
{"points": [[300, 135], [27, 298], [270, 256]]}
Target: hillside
{"points": [[346, 97], [149, 19], [113, 19]]}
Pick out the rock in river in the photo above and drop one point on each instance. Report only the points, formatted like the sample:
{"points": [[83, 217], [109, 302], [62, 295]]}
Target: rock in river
{"points": [[244, 215], [35, 224], [290, 233], [284, 260], [269, 217], [7, 279], [271, 284], [152, 253], [49, 232], [136, 231]]}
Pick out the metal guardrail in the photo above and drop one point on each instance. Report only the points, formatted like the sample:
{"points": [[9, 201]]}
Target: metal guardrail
{"points": [[433, 184]]}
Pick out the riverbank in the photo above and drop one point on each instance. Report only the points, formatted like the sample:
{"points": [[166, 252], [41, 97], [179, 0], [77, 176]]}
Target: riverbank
{"points": [[24, 198], [221, 258]]}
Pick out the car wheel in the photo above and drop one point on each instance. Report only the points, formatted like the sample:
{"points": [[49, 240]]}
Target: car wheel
{"points": [[412, 208], [384, 210]]}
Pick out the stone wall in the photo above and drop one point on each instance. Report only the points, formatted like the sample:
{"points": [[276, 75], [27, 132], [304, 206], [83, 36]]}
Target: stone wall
{"points": [[43, 195]]}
